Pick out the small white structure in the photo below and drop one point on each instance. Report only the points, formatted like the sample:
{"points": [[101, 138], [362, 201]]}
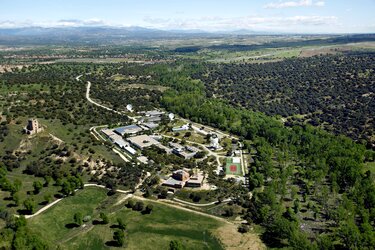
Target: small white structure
{"points": [[129, 107], [215, 142], [236, 160], [181, 128], [171, 116], [130, 150]]}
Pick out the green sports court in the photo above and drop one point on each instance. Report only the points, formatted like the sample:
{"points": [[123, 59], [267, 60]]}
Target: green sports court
{"points": [[233, 166]]}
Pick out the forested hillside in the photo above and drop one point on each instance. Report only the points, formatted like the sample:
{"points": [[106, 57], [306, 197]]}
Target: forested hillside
{"points": [[334, 92], [310, 189], [307, 184]]}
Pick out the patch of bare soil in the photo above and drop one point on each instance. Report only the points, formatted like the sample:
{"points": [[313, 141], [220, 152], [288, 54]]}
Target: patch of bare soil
{"points": [[98, 167], [8, 68], [24, 147], [314, 52], [144, 86], [233, 240]]}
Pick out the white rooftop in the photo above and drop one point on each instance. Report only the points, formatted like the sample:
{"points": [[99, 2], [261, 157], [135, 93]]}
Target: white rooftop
{"points": [[236, 160]]}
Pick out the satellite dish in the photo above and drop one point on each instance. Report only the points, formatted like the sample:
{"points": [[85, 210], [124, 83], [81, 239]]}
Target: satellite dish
{"points": [[129, 107], [171, 116]]}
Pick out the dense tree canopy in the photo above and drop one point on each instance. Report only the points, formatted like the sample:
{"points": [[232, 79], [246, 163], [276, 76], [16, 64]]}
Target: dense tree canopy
{"points": [[334, 91]]}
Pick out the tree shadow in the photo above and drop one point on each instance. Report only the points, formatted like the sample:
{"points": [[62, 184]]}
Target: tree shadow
{"points": [[112, 243], [111, 192], [98, 222], [144, 212], [114, 226], [308, 219], [24, 212], [9, 198], [71, 225], [43, 203], [58, 196], [271, 241], [12, 205]]}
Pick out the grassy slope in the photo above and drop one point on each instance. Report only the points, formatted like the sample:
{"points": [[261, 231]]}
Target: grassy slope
{"points": [[51, 225], [151, 231], [154, 231], [13, 139], [73, 134], [37, 144]]}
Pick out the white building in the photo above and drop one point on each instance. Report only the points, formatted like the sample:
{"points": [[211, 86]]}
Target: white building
{"points": [[215, 143], [181, 128]]}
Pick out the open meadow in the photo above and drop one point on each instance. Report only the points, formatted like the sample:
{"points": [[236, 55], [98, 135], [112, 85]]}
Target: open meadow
{"points": [[143, 231]]}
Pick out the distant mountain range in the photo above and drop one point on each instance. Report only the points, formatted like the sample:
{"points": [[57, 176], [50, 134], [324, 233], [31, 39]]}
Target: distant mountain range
{"points": [[106, 35], [133, 30], [38, 35]]}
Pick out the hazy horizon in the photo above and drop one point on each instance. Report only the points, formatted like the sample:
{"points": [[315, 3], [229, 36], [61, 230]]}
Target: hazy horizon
{"points": [[278, 16]]}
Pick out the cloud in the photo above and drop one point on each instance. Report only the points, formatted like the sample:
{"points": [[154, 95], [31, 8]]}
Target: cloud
{"points": [[59, 23], [290, 4], [8, 24], [246, 22], [298, 23], [74, 23]]}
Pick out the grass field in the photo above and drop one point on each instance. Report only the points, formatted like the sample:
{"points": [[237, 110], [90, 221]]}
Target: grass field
{"points": [[144, 231], [233, 168], [12, 141], [52, 224]]}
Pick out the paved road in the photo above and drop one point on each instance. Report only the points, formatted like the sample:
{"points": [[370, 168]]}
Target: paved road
{"points": [[119, 153], [96, 134]]}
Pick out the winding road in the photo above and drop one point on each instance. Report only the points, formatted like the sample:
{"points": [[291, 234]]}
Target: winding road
{"points": [[176, 203], [102, 106], [195, 126], [201, 205]]}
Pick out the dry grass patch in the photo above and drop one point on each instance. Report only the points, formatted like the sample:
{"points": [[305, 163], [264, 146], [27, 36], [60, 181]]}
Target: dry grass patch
{"points": [[144, 86], [233, 240]]}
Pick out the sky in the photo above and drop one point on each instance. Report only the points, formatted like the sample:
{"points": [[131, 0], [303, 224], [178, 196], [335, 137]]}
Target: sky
{"points": [[297, 16]]}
